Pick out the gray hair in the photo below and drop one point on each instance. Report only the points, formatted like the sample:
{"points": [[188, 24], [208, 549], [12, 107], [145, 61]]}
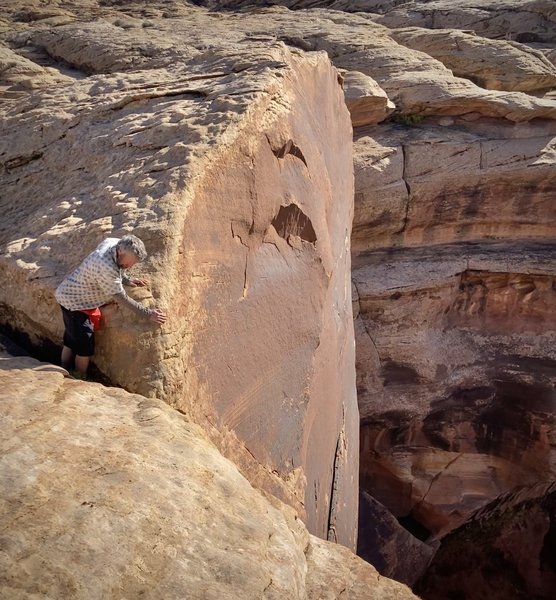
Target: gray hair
{"points": [[132, 244]]}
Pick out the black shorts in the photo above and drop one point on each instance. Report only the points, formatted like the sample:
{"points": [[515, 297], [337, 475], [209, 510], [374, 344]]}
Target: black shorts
{"points": [[79, 334]]}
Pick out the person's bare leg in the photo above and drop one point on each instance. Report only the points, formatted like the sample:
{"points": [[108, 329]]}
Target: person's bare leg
{"points": [[67, 358], [82, 364]]}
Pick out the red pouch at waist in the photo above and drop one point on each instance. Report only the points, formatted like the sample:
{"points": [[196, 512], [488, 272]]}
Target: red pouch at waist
{"points": [[95, 316]]}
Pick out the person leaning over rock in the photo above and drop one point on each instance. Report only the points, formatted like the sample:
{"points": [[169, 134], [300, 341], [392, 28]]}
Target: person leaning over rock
{"points": [[98, 280]]}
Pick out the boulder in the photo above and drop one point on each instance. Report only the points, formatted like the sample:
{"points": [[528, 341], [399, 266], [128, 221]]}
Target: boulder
{"points": [[107, 494], [18, 75], [221, 163], [367, 102], [388, 546]]}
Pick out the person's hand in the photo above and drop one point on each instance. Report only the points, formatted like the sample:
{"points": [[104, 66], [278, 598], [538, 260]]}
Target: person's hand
{"points": [[138, 282], [157, 316]]}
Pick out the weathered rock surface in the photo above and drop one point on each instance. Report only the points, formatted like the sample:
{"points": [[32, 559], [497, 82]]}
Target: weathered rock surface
{"points": [[521, 20], [455, 360], [388, 546], [461, 406], [453, 251], [221, 163], [18, 74], [492, 64], [107, 494], [367, 102], [445, 180], [453, 234], [413, 81], [510, 550]]}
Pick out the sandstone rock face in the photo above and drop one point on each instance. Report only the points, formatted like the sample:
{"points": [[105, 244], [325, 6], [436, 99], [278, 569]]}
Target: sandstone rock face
{"points": [[510, 547], [343, 5], [107, 494], [234, 165], [454, 361], [449, 180], [455, 341], [461, 405], [452, 233]]}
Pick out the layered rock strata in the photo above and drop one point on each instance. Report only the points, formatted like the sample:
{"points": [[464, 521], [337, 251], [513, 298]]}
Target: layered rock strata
{"points": [[492, 64], [454, 287], [460, 404], [107, 494], [455, 341], [520, 20]]}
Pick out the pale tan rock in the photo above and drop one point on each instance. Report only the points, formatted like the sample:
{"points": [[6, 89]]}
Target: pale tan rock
{"points": [[339, 5], [107, 494], [413, 81], [497, 155], [381, 192], [219, 162], [105, 47], [367, 102], [493, 64], [336, 573], [19, 75], [521, 20]]}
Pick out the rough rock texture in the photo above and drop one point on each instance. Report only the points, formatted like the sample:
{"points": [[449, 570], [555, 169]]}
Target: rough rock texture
{"points": [[453, 179], [388, 546], [234, 165], [521, 20], [461, 403], [107, 494], [510, 550], [492, 64], [452, 238], [454, 287], [344, 5], [367, 102], [19, 74]]}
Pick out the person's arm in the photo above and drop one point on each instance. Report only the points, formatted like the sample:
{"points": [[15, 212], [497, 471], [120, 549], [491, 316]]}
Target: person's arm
{"points": [[154, 314], [134, 282], [124, 300]]}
